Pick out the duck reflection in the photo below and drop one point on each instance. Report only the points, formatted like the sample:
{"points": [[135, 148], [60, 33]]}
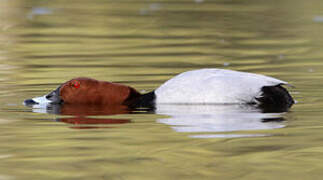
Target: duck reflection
{"points": [[201, 121], [80, 114], [82, 122]]}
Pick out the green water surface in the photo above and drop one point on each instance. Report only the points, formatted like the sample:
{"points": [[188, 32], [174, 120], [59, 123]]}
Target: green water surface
{"points": [[142, 43]]}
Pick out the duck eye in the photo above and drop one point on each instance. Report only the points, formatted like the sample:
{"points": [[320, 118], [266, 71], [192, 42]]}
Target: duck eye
{"points": [[76, 84]]}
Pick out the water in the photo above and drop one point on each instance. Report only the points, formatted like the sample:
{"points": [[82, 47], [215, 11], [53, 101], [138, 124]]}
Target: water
{"points": [[142, 44]]}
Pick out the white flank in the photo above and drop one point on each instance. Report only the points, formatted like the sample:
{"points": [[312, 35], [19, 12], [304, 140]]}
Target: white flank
{"points": [[208, 86]]}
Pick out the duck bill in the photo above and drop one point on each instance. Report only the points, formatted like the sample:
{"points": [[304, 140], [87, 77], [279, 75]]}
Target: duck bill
{"points": [[51, 98]]}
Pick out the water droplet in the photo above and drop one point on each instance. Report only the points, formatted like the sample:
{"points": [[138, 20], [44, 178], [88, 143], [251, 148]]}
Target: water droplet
{"points": [[226, 64], [199, 1], [318, 19]]}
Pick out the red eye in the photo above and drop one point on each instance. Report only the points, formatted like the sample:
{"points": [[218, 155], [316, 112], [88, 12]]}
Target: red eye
{"points": [[76, 84]]}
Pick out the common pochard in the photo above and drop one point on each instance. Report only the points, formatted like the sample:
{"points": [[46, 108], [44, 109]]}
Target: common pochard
{"points": [[203, 86]]}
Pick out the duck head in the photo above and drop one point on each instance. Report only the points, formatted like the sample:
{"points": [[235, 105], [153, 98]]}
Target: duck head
{"points": [[87, 91]]}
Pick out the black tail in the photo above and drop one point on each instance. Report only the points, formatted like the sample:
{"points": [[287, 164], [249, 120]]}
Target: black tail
{"points": [[275, 99]]}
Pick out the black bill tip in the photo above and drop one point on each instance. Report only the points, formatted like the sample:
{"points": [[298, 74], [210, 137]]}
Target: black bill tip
{"points": [[29, 102]]}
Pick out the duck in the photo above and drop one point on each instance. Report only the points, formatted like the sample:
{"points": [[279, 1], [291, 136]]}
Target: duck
{"points": [[202, 86]]}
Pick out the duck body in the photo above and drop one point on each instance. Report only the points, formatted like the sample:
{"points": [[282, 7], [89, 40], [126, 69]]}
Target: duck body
{"points": [[218, 86], [203, 86]]}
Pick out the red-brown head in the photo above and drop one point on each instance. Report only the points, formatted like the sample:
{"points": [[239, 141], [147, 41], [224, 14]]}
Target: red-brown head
{"points": [[91, 91]]}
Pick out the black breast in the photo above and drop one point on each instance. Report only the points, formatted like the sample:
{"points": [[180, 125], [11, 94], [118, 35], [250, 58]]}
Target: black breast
{"points": [[143, 101]]}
